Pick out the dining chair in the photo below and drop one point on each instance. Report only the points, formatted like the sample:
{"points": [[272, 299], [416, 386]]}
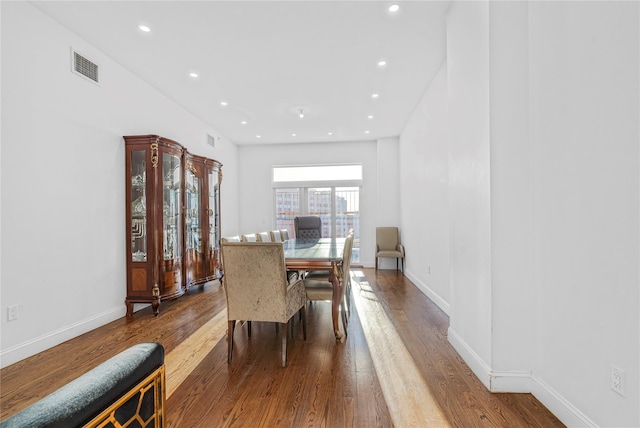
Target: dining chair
{"points": [[284, 234], [388, 245], [230, 239], [308, 227], [257, 289], [323, 275], [264, 237], [322, 289], [275, 236], [251, 237]]}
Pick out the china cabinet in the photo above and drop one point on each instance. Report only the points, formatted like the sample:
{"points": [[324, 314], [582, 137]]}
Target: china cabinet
{"points": [[202, 219], [172, 220]]}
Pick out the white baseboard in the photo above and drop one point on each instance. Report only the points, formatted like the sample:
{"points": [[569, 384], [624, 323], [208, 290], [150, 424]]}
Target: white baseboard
{"points": [[559, 406], [27, 349], [520, 382], [473, 360], [432, 295]]}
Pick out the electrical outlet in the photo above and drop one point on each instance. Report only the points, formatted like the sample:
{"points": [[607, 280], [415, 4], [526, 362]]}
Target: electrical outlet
{"points": [[12, 313], [617, 380]]}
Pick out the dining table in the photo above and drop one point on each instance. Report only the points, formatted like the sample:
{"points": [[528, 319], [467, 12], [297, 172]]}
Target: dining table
{"points": [[304, 254]]}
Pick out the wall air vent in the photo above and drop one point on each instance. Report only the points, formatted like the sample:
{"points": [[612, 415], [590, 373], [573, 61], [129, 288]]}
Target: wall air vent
{"points": [[211, 140], [84, 67]]}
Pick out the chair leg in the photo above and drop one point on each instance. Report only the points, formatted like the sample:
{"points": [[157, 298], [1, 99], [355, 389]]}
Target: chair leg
{"points": [[230, 329], [303, 313], [376, 263], [284, 344], [249, 328]]}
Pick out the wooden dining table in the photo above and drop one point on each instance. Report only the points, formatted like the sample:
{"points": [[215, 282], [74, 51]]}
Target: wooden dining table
{"points": [[318, 254]]}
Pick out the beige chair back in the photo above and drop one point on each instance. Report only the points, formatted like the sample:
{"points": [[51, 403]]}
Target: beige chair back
{"points": [[230, 239], [255, 282], [251, 237], [387, 238], [284, 234], [275, 236], [264, 237]]}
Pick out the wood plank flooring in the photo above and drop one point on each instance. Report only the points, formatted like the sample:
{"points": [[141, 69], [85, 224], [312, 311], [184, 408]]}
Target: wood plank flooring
{"points": [[395, 368]]}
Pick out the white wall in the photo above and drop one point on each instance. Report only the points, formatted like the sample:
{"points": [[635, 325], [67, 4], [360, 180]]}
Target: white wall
{"points": [[512, 279], [388, 197], [469, 180], [63, 190], [556, 85], [257, 212], [424, 189], [584, 139]]}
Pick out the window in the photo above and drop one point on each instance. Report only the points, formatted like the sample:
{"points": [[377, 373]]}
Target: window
{"points": [[331, 192]]}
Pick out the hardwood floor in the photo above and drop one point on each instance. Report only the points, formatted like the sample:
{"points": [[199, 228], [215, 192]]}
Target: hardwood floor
{"points": [[395, 368]]}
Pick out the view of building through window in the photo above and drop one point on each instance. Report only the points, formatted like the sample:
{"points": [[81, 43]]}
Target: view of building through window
{"points": [[338, 206]]}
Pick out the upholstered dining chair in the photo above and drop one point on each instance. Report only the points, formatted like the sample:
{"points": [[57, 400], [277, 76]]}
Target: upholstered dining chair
{"points": [[308, 227], [323, 275], [284, 234], [320, 289], [250, 237], [388, 245], [230, 239], [275, 236], [264, 237], [257, 289]]}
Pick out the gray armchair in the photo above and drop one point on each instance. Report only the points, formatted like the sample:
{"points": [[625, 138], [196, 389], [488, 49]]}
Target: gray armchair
{"points": [[257, 289], [388, 245]]}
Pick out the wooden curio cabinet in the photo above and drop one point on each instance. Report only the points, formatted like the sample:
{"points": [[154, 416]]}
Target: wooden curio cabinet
{"points": [[168, 220], [202, 213]]}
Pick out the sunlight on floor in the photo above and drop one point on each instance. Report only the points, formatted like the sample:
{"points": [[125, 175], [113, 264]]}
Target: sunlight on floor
{"points": [[409, 400], [182, 360]]}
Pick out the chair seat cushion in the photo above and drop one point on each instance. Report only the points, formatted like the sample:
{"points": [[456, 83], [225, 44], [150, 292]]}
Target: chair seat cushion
{"points": [[318, 289], [388, 253]]}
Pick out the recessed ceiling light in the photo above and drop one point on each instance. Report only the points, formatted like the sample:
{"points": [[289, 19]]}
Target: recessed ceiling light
{"points": [[224, 103], [382, 63], [144, 28], [375, 96], [366, 132], [301, 113], [370, 116], [244, 122], [330, 133], [194, 75], [258, 136], [293, 135], [394, 8]]}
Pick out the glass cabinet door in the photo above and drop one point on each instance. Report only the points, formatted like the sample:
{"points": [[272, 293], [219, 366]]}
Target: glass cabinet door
{"points": [[193, 189], [138, 206], [171, 204], [214, 219]]}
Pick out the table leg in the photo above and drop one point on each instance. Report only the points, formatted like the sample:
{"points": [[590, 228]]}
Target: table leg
{"points": [[335, 301]]}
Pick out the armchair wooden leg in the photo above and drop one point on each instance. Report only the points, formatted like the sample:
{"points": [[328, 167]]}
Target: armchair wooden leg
{"points": [[376, 263], [284, 344], [230, 330], [249, 328]]}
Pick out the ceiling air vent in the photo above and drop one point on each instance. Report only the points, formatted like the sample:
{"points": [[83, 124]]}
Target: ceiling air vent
{"points": [[84, 67]]}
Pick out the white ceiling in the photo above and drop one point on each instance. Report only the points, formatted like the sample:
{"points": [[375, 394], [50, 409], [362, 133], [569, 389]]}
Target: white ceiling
{"points": [[267, 59]]}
